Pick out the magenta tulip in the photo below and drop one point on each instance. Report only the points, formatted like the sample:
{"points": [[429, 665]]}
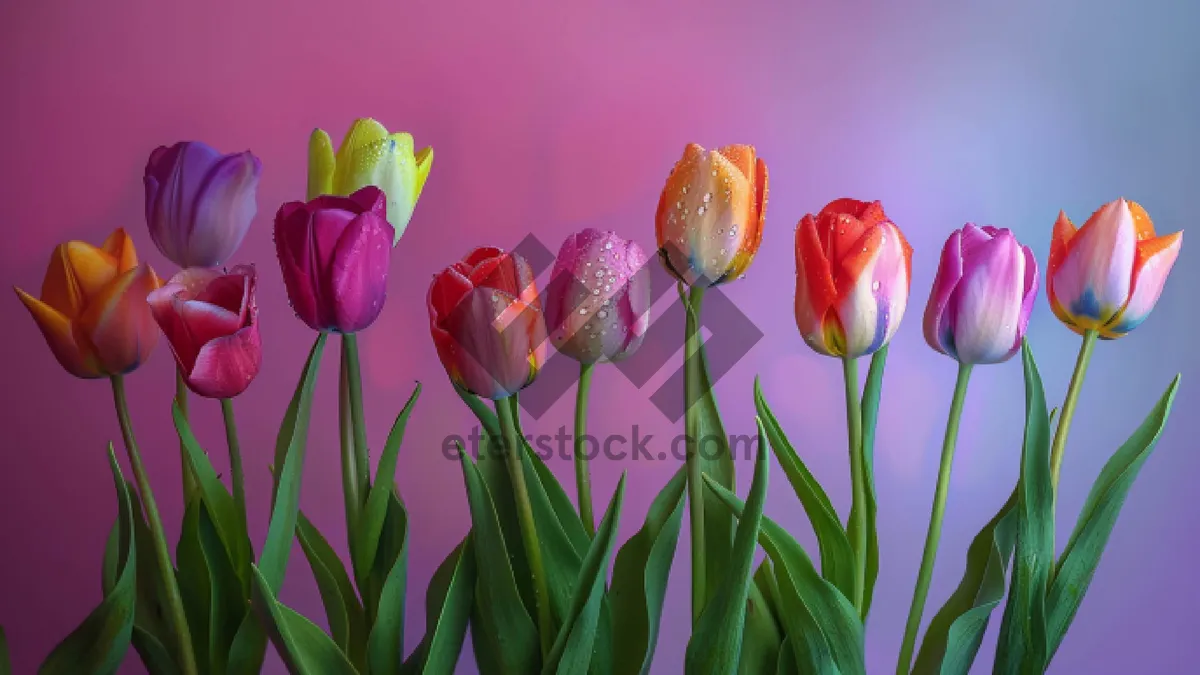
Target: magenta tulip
{"points": [[334, 252], [982, 296], [199, 203], [598, 300], [211, 322]]}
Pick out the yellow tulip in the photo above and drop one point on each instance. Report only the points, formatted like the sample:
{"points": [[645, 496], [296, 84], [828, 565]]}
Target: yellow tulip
{"points": [[369, 155], [93, 310]]}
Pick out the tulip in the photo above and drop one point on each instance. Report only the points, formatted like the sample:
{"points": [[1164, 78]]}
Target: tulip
{"points": [[199, 203], [486, 321], [853, 268], [710, 215], [369, 155], [598, 304], [1107, 275], [982, 296], [334, 252], [211, 323], [92, 309]]}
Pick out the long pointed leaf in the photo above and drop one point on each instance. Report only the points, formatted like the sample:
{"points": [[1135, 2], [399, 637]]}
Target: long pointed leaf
{"points": [[1082, 554], [762, 636], [1023, 647], [343, 610], [447, 612], [304, 648], [870, 420], [639, 580], [385, 479], [715, 647], [388, 582]]}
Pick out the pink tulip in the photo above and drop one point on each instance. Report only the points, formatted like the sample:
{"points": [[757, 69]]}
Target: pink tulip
{"points": [[211, 322], [598, 301], [982, 296], [334, 252]]}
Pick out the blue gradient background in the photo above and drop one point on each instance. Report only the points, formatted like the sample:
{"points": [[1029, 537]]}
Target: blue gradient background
{"points": [[548, 117]]}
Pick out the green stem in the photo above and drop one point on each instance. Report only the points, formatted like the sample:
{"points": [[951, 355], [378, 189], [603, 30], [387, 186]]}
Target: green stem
{"points": [[174, 603], [350, 491], [858, 480], [1068, 407], [694, 469], [514, 458], [925, 575], [181, 399], [362, 465], [583, 477], [235, 462]]}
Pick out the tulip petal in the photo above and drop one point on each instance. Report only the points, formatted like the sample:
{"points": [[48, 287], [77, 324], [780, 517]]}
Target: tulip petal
{"points": [[226, 365], [321, 164], [359, 270], [224, 205], [447, 290], [56, 329], [494, 343], [988, 302], [424, 161], [362, 133], [1094, 278], [298, 262], [1155, 258], [754, 231], [815, 290], [119, 245], [938, 329], [117, 325], [180, 174], [389, 164], [872, 284]]}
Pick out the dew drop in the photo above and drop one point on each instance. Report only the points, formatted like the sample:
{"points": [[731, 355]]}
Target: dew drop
{"points": [[707, 197], [875, 286], [700, 211], [608, 246], [603, 314], [685, 189], [583, 310]]}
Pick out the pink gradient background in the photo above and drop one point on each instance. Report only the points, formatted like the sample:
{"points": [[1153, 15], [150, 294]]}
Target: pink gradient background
{"points": [[547, 117]]}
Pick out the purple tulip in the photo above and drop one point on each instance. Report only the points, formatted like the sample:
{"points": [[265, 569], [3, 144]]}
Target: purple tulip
{"points": [[334, 252], [982, 297], [598, 301], [199, 203]]}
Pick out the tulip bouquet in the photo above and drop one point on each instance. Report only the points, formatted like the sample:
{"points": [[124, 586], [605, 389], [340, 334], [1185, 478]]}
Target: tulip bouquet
{"points": [[531, 579]]}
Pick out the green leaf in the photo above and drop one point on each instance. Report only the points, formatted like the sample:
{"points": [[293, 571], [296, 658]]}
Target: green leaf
{"points": [[304, 648], [573, 646], [504, 636], [5, 657], [1082, 554], [639, 580], [344, 612], [216, 497], [870, 420], [249, 647], [371, 524], [98, 645], [703, 425], [194, 580], [954, 634], [227, 606], [387, 585], [153, 653], [716, 641], [448, 603], [762, 636], [787, 659], [1023, 647], [823, 628], [837, 558]]}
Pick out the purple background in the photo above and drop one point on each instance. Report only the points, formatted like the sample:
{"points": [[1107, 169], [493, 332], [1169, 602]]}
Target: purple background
{"points": [[553, 117]]}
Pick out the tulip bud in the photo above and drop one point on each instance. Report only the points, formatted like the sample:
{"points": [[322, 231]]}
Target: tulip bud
{"points": [[982, 296], [1107, 275], [92, 309], [598, 301], [487, 324], [211, 323], [334, 253], [853, 268], [199, 203], [710, 215], [369, 155]]}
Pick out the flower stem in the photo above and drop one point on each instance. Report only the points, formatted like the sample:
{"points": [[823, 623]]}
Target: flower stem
{"points": [[235, 461], [181, 399], [173, 601], [362, 465], [695, 471], [514, 458], [925, 575], [858, 479], [350, 491], [1068, 408], [583, 477]]}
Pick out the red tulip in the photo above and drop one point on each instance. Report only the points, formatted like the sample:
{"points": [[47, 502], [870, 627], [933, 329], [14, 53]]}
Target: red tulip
{"points": [[334, 252], [211, 322], [487, 323]]}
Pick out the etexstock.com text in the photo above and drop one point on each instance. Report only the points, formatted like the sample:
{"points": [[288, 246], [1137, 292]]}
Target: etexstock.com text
{"points": [[635, 445]]}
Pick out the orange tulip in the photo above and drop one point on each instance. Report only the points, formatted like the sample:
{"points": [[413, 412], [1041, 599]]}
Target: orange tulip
{"points": [[93, 310]]}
